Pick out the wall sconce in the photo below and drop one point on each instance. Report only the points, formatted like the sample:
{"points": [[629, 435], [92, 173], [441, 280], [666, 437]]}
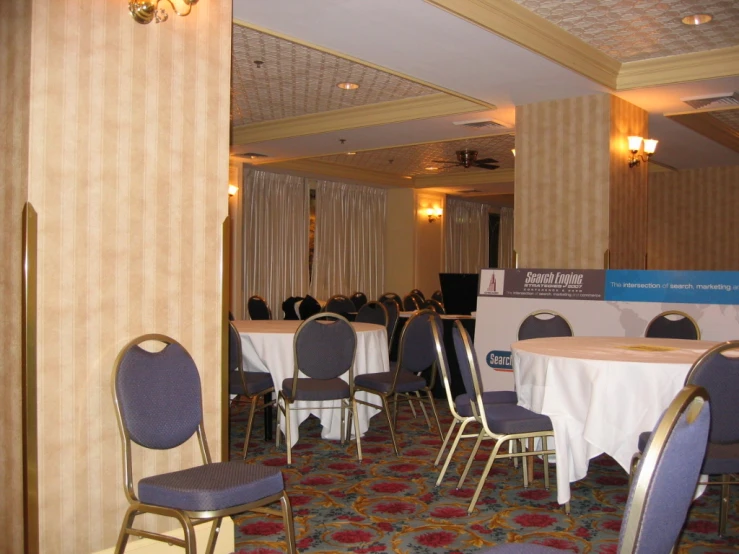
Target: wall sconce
{"points": [[650, 145], [232, 190], [143, 11], [434, 214]]}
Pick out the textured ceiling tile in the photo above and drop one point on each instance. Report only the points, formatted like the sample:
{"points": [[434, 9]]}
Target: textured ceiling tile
{"points": [[412, 160], [295, 80], [631, 30]]}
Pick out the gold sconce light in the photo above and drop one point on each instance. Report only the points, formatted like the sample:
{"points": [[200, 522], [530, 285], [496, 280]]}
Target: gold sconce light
{"points": [[434, 214], [635, 143], [232, 190], [144, 11]]}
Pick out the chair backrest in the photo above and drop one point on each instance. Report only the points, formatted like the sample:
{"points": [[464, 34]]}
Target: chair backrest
{"points": [[324, 345], [309, 306], [438, 296], [673, 325], [373, 312], [391, 296], [157, 394], [717, 370], [665, 480], [257, 308], [410, 303], [359, 299], [418, 293], [393, 312], [443, 365], [416, 351], [339, 304], [543, 324], [435, 305], [288, 307], [467, 361]]}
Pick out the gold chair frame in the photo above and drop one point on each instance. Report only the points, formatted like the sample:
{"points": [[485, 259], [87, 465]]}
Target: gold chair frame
{"points": [[675, 312], [188, 519]]}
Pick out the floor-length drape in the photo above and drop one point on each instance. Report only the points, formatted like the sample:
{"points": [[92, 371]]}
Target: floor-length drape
{"points": [[275, 213], [466, 236], [505, 240], [349, 251]]}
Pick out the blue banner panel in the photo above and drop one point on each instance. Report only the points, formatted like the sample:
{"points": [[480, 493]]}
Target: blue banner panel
{"points": [[685, 287]]}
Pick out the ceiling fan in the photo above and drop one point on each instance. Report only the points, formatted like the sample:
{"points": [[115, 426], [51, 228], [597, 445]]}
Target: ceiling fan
{"points": [[468, 158]]}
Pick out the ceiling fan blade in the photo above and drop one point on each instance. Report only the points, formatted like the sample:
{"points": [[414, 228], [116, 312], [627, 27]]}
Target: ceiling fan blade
{"points": [[487, 166], [486, 161]]}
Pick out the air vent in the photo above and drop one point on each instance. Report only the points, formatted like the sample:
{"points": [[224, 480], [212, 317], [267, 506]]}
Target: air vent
{"points": [[469, 191], [715, 101], [252, 155], [480, 124]]}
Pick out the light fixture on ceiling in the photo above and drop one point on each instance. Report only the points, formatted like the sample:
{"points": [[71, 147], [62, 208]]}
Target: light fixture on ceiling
{"points": [[348, 86], [697, 19], [351, 153], [232, 190], [514, 152], [635, 143], [144, 11], [434, 214], [431, 168]]}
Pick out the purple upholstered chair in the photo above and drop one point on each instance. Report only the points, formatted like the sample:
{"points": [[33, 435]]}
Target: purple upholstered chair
{"points": [[673, 325], [373, 312], [158, 403], [664, 484]]}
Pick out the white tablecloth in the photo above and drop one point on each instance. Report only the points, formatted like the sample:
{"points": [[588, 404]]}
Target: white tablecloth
{"points": [[600, 393], [268, 346]]}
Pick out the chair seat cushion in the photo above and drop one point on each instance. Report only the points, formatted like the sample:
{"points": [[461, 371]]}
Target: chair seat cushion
{"points": [[214, 486], [462, 402], [316, 389], [256, 382], [383, 382], [721, 459], [508, 419]]}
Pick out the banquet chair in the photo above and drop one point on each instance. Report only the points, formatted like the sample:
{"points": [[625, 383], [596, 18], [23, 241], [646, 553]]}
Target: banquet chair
{"points": [[418, 293], [359, 299], [718, 373], [662, 491], [324, 348], [391, 296], [288, 308], [410, 303], [393, 311], [258, 308], [373, 312], [673, 324], [416, 354], [460, 407], [438, 296], [308, 307], [158, 403], [544, 323], [246, 385], [435, 305], [339, 304], [499, 422]]}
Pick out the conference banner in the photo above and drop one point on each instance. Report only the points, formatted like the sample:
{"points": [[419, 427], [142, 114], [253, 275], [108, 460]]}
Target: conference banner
{"points": [[596, 303]]}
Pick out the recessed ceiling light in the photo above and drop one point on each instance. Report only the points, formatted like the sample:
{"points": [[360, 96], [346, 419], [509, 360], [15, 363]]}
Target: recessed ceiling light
{"points": [[348, 86], [697, 19], [351, 153], [407, 177], [431, 168]]}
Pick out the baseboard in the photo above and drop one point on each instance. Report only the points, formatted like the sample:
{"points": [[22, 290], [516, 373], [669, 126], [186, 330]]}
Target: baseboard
{"points": [[224, 544]]}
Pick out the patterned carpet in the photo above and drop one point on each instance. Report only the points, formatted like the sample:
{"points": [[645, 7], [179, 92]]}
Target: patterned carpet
{"points": [[390, 505]]}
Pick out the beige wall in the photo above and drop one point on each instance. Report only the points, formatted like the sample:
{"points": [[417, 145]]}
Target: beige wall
{"points": [[15, 36], [429, 243], [128, 172], [400, 241], [693, 220]]}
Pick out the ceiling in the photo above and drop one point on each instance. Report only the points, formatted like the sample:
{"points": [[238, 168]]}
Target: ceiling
{"points": [[438, 76]]}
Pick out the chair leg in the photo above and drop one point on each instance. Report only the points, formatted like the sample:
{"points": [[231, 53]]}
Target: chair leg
{"points": [[288, 441], [450, 454], [357, 433], [277, 428], [433, 410], [471, 459], [288, 523], [249, 424], [214, 530], [723, 509], [446, 441], [131, 514], [423, 409], [390, 423], [531, 460], [484, 475]]}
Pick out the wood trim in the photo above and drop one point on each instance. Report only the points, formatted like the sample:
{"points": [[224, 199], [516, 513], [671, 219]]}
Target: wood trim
{"points": [[408, 109], [712, 64], [241, 23], [324, 170], [509, 20], [708, 126], [464, 179], [225, 369]]}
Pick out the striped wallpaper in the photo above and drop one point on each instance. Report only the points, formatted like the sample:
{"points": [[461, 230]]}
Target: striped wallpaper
{"points": [[692, 219], [128, 173], [15, 36]]}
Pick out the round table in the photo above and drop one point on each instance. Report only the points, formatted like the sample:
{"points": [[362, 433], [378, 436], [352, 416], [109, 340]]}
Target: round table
{"points": [[600, 393], [267, 345]]}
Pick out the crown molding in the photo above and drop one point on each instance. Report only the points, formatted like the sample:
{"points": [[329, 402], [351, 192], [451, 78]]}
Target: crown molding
{"points": [[509, 20], [326, 170], [247, 25], [711, 64], [383, 113], [467, 178], [705, 124]]}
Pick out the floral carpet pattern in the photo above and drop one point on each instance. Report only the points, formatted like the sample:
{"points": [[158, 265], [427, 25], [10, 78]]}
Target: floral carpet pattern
{"points": [[389, 505]]}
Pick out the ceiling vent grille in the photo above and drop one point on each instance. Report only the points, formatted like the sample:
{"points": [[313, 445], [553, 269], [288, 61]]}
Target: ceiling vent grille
{"points": [[252, 155], [469, 191], [716, 101], [480, 124]]}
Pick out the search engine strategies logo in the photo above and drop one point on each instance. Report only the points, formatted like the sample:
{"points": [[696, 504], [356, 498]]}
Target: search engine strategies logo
{"points": [[499, 360]]}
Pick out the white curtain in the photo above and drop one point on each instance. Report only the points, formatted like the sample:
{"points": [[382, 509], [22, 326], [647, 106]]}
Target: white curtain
{"points": [[275, 212], [349, 253], [466, 236], [505, 240]]}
